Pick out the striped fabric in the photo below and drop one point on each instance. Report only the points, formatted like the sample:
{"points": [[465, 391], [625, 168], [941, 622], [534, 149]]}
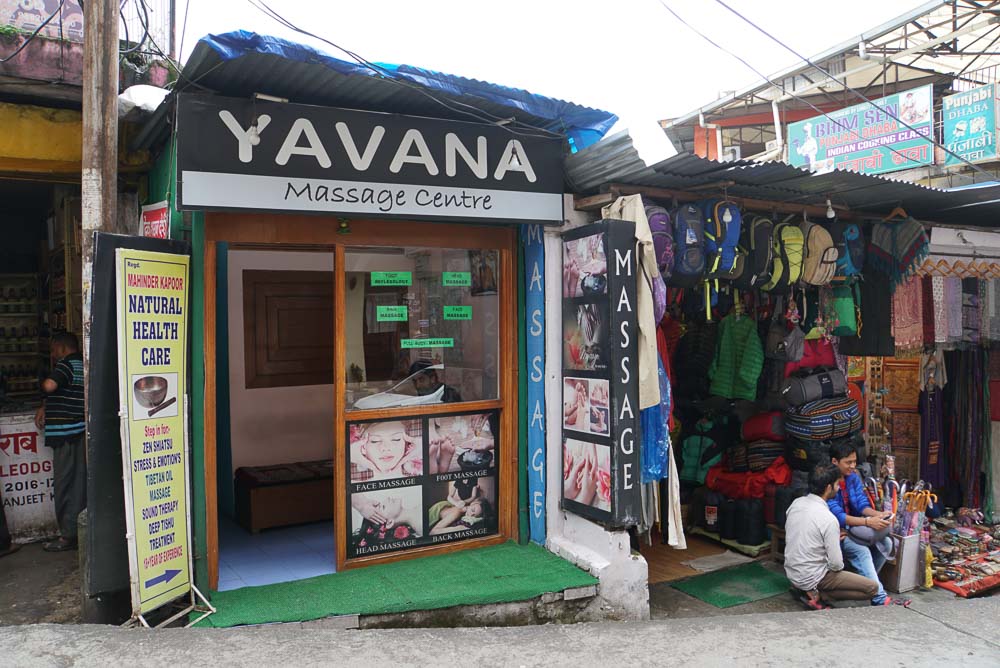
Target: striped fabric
{"points": [[824, 419], [64, 407]]}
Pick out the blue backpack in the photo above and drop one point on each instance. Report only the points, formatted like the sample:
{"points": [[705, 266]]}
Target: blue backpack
{"points": [[723, 226], [689, 246], [849, 241]]}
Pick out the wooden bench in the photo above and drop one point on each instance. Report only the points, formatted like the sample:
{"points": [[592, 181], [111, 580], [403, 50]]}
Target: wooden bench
{"points": [[777, 543], [284, 494]]}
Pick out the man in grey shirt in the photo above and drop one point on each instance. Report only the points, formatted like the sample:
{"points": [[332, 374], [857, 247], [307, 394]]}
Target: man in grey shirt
{"points": [[813, 561]]}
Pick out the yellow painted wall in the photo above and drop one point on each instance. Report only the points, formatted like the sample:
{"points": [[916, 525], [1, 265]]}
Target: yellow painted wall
{"points": [[38, 140]]}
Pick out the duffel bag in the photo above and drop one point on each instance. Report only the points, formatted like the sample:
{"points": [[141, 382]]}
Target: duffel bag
{"points": [[761, 454], [813, 384], [735, 458], [783, 498], [823, 420], [764, 427], [806, 455], [747, 485], [751, 522]]}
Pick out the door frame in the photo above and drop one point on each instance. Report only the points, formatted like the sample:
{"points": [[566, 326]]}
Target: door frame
{"points": [[283, 232]]}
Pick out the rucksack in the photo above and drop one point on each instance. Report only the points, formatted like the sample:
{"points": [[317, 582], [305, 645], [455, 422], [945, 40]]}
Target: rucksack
{"points": [[723, 224], [758, 251], [850, 244], [663, 239], [786, 240], [819, 262], [689, 246]]}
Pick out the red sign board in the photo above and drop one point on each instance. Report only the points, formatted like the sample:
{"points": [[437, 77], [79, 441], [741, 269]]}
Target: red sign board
{"points": [[156, 221]]}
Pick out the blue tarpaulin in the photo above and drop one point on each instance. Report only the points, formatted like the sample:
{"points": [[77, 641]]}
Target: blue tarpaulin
{"points": [[213, 53]]}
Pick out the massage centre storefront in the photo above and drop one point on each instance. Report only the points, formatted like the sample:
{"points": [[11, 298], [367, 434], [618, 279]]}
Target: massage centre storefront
{"points": [[358, 280]]}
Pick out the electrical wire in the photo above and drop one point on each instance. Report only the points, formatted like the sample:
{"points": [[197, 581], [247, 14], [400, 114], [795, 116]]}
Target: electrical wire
{"points": [[452, 105], [846, 86], [34, 34], [762, 75], [145, 28]]}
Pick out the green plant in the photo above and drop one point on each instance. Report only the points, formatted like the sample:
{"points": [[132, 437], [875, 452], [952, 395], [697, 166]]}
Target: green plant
{"points": [[9, 31]]}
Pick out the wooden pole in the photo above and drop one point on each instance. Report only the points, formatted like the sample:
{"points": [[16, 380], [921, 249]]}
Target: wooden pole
{"points": [[99, 179]]}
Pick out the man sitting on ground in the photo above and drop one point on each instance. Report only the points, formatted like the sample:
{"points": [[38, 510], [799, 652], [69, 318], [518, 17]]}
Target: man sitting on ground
{"points": [[813, 561], [852, 509]]}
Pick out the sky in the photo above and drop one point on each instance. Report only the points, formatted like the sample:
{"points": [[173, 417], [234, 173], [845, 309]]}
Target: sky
{"points": [[630, 57]]}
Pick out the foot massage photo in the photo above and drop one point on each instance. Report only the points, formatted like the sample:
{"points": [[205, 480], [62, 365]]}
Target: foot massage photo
{"points": [[461, 443]]}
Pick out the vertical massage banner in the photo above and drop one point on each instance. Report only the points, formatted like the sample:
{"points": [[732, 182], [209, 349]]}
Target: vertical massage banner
{"points": [[152, 359], [534, 302], [600, 419]]}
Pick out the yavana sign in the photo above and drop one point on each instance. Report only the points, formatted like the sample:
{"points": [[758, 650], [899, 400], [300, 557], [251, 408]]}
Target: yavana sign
{"points": [[243, 154]]}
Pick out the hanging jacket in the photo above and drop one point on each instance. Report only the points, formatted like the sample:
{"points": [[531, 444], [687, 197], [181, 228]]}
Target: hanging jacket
{"points": [[739, 359], [632, 209]]}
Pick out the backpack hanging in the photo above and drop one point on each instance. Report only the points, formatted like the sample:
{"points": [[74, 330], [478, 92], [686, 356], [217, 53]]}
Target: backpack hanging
{"points": [[786, 242], [723, 224], [847, 304], [662, 230], [819, 261], [689, 246], [758, 251]]}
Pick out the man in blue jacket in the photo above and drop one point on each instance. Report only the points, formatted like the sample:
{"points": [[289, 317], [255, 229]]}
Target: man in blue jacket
{"points": [[852, 509]]}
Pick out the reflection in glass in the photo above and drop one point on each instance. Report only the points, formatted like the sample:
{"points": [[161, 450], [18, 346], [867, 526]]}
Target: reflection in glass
{"points": [[421, 326]]}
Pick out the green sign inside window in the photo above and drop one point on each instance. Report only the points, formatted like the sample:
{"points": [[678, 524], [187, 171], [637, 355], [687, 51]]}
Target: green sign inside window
{"points": [[456, 279], [390, 313], [458, 313], [427, 343], [384, 278]]}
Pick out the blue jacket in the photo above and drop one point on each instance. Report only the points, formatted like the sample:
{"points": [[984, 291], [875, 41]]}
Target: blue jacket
{"points": [[850, 501]]}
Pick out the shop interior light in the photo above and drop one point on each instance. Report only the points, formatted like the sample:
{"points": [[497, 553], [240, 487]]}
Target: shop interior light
{"points": [[830, 213]]}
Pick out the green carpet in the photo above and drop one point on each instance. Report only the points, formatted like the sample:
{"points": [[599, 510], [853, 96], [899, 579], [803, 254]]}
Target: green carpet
{"points": [[733, 586], [501, 573]]}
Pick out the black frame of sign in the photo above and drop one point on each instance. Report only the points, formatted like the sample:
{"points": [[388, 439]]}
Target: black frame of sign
{"points": [[425, 482], [611, 367]]}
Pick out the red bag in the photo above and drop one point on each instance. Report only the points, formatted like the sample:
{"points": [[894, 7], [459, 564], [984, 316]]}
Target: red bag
{"points": [[764, 427], [815, 352], [748, 485]]}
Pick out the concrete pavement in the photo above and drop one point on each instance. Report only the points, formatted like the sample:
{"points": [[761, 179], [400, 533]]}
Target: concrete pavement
{"points": [[959, 633]]}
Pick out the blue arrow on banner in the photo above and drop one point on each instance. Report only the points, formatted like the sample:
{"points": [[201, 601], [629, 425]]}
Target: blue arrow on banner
{"points": [[165, 576]]}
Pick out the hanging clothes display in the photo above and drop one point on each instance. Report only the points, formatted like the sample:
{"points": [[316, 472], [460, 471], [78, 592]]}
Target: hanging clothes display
{"points": [[970, 310], [940, 310], [897, 248], [875, 338], [739, 359], [927, 309], [953, 304], [933, 378], [907, 316]]}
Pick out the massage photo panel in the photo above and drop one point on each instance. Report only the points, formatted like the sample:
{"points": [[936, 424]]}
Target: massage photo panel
{"points": [[417, 481], [585, 267], [587, 473]]}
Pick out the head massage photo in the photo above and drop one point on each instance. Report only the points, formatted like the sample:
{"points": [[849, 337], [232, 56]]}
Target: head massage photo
{"points": [[585, 267], [386, 516], [386, 450], [458, 505], [584, 339], [461, 442], [585, 405], [587, 473]]}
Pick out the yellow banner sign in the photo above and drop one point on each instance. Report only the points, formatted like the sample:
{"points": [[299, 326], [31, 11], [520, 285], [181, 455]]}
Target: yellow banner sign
{"points": [[152, 358]]}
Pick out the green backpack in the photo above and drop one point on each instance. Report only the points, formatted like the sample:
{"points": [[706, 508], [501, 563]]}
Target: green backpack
{"points": [[847, 304], [788, 252]]}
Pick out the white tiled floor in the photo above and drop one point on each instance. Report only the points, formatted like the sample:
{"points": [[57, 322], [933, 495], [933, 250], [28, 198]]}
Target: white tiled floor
{"points": [[273, 555]]}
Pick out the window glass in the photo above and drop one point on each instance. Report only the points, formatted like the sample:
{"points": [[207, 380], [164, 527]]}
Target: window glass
{"points": [[421, 325]]}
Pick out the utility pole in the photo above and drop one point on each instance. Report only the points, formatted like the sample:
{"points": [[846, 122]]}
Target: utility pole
{"points": [[99, 180], [99, 201]]}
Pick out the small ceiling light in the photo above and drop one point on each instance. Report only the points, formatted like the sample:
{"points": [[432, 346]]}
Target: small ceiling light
{"points": [[830, 213]]}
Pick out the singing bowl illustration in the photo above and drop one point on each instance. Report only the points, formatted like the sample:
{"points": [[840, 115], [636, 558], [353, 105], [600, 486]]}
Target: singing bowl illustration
{"points": [[150, 391]]}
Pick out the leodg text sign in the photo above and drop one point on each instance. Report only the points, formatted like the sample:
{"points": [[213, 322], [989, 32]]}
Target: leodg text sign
{"points": [[152, 345], [867, 138], [245, 154], [970, 125]]}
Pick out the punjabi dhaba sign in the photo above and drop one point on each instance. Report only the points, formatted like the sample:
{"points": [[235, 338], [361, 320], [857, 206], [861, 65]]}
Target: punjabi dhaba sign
{"points": [[867, 138], [269, 156], [970, 125]]}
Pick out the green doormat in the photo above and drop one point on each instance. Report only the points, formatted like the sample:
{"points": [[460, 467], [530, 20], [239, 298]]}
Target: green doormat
{"points": [[502, 573], [734, 586]]}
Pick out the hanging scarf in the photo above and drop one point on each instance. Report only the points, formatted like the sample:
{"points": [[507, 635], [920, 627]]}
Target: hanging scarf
{"points": [[907, 318], [970, 310], [953, 302], [897, 248], [984, 311], [940, 310], [927, 307]]}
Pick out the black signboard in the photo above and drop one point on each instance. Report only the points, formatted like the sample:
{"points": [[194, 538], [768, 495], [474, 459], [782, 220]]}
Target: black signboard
{"points": [[244, 154], [601, 474], [423, 480]]}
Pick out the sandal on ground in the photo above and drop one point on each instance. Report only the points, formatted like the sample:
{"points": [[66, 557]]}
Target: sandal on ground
{"points": [[60, 545], [14, 547], [813, 603]]}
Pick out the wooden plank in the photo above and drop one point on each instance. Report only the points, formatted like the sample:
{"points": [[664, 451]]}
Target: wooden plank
{"points": [[757, 205], [593, 202], [341, 509], [482, 406], [507, 468], [211, 481]]}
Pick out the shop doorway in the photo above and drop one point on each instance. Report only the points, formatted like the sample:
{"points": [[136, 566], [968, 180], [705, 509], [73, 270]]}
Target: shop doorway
{"points": [[275, 413]]}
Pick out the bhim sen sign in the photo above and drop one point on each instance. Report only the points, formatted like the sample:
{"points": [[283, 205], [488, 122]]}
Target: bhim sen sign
{"points": [[235, 154]]}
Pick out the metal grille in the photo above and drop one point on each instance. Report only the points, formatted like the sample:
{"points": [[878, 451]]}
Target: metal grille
{"points": [[131, 26]]}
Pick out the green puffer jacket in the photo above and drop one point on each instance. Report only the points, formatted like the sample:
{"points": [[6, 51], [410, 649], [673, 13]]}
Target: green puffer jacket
{"points": [[739, 359]]}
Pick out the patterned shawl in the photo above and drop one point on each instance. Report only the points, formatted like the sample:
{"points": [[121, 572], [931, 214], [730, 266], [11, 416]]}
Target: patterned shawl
{"points": [[907, 316], [897, 248]]}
